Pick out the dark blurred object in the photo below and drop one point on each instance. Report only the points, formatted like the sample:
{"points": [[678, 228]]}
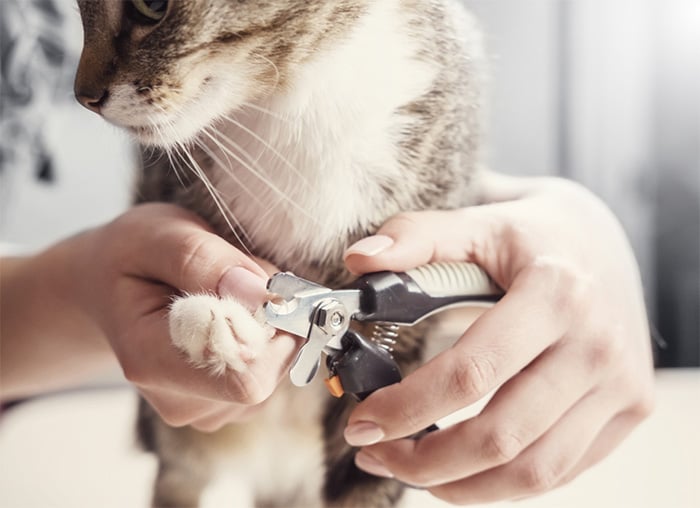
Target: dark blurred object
{"points": [[677, 142]]}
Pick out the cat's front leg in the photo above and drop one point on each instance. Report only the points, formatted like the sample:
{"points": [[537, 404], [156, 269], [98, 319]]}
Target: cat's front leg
{"points": [[217, 333], [224, 337]]}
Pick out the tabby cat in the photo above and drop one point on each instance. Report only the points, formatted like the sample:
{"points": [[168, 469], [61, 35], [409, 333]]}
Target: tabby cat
{"points": [[294, 128]]}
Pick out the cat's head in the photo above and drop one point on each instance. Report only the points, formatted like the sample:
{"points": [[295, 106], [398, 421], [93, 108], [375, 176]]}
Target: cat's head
{"points": [[165, 70]]}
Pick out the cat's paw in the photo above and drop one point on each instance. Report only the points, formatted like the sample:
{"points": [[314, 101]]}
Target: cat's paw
{"points": [[217, 333]]}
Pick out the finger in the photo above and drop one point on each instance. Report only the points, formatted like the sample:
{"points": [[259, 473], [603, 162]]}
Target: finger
{"points": [[520, 412], [545, 463], [502, 342], [412, 239], [175, 247]]}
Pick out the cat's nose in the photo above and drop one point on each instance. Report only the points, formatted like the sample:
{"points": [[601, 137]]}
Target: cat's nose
{"points": [[92, 99]]}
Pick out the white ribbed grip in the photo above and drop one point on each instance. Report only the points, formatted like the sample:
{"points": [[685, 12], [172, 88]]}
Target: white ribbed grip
{"points": [[453, 279]]}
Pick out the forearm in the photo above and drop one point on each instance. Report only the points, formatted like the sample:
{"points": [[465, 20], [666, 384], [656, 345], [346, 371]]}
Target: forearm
{"points": [[47, 339]]}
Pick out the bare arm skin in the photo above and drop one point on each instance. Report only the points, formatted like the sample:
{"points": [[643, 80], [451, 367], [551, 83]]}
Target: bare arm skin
{"points": [[104, 295], [48, 340]]}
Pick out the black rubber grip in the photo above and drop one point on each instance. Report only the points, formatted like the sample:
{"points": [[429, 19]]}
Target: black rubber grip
{"points": [[397, 298]]}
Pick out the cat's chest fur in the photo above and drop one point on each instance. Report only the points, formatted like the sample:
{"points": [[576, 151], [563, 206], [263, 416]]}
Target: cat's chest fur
{"points": [[318, 164], [375, 113]]}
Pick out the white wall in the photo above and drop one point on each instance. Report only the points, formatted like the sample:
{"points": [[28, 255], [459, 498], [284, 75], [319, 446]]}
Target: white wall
{"points": [[522, 114]]}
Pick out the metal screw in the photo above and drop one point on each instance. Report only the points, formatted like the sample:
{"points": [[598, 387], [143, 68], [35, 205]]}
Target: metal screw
{"points": [[331, 315], [336, 319]]}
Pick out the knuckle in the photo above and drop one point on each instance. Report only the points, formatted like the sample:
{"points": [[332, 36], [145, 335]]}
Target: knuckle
{"points": [[193, 255], [603, 348], [173, 417], [411, 416], [473, 377], [208, 426], [644, 406], [135, 375], [502, 445], [418, 223], [253, 397], [132, 376], [245, 389], [419, 480], [407, 218], [540, 476], [125, 221], [415, 475], [450, 495], [570, 287], [518, 237]]}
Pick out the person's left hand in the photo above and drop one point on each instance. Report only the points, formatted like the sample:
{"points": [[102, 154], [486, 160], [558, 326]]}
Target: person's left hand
{"points": [[567, 348], [130, 271]]}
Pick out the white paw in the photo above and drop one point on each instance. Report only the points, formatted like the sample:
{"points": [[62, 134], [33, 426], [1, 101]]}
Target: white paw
{"points": [[217, 333]]}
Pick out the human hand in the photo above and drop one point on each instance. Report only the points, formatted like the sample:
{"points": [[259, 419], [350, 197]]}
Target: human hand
{"points": [[568, 346], [132, 268]]}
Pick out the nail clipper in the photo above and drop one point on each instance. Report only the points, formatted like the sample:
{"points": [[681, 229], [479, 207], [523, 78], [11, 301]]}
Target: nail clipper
{"points": [[358, 365]]}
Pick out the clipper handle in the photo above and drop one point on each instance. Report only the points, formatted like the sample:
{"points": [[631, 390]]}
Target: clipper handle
{"points": [[361, 367], [408, 297]]}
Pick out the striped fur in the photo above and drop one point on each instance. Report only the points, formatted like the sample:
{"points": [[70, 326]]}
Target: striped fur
{"points": [[314, 121]]}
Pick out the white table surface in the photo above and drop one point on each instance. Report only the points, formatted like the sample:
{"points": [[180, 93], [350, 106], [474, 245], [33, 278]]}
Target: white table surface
{"points": [[77, 449]]}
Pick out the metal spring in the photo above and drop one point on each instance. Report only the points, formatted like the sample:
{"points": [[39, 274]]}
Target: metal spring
{"points": [[385, 335]]}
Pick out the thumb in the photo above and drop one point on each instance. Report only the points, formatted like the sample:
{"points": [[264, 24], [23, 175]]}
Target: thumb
{"points": [[411, 239], [172, 246]]}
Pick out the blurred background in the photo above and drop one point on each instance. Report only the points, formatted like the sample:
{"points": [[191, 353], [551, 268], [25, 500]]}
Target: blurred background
{"points": [[606, 92]]}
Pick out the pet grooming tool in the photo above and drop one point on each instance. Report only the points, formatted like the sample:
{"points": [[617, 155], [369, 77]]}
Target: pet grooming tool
{"points": [[357, 365]]}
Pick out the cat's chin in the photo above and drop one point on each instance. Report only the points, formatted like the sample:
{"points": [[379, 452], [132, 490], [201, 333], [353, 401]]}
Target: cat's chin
{"points": [[163, 136]]}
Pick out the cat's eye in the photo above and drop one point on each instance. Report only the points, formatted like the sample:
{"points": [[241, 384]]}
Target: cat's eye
{"points": [[154, 10]]}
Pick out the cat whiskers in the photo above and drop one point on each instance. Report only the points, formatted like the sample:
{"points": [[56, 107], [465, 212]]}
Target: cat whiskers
{"points": [[238, 231], [224, 165], [182, 152], [252, 233], [252, 166], [228, 153], [152, 155], [274, 67], [159, 132], [260, 109], [269, 147]]}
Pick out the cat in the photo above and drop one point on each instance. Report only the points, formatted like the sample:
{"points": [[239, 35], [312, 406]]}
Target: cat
{"points": [[294, 128]]}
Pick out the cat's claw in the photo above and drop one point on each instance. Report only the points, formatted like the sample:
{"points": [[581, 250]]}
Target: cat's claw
{"points": [[216, 333]]}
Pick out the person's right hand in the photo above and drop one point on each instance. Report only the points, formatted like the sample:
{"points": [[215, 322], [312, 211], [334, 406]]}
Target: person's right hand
{"points": [[566, 351], [132, 269]]}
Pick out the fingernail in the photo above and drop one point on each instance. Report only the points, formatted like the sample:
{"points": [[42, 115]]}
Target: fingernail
{"points": [[370, 246], [371, 465], [363, 434], [244, 286]]}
